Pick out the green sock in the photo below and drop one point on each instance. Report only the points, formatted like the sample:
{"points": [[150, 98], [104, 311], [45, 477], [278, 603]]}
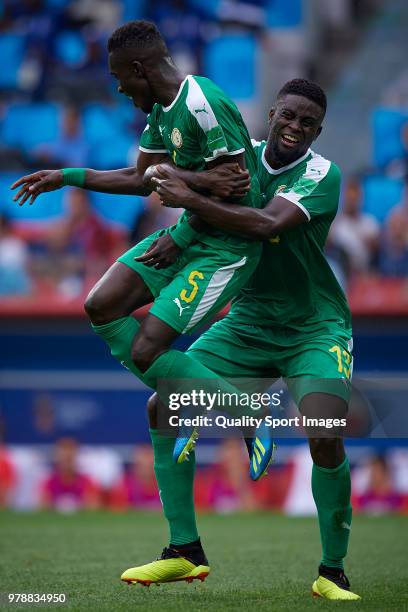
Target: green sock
{"points": [[176, 486], [331, 491], [119, 335], [175, 365], [170, 365]]}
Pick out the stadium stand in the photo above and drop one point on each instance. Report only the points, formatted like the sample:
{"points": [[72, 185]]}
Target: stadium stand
{"points": [[249, 48]]}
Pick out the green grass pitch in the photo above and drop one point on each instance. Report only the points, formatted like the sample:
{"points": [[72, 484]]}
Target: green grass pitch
{"points": [[261, 562]]}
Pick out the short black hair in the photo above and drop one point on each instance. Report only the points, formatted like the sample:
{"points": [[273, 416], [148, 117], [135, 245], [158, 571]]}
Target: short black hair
{"points": [[307, 89], [140, 34]]}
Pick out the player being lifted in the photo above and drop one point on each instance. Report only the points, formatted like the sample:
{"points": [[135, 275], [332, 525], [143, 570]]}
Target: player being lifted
{"points": [[291, 320], [194, 124]]}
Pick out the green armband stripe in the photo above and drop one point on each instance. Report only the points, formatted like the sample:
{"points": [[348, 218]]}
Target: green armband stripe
{"points": [[73, 176], [183, 234]]}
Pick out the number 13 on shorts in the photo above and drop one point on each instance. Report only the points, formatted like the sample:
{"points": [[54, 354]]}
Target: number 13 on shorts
{"points": [[344, 360]]}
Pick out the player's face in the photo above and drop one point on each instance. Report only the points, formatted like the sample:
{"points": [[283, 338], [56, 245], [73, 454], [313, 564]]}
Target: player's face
{"points": [[132, 80], [295, 122]]}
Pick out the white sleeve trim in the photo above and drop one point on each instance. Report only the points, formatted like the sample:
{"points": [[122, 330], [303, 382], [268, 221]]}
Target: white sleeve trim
{"points": [[293, 197], [199, 106], [222, 152], [152, 150]]}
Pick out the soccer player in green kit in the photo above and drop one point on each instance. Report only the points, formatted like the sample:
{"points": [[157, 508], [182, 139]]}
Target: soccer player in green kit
{"points": [[291, 320], [195, 125]]}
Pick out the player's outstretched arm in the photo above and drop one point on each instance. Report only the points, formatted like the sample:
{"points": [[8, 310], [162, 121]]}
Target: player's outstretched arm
{"points": [[259, 224], [126, 181]]}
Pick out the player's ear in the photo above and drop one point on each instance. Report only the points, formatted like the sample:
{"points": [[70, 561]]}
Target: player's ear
{"points": [[271, 114], [318, 132], [138, 68]]}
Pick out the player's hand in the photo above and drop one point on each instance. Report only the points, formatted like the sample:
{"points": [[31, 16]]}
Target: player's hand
{"points": [[162, 253], [34, 184], [173, 192], [227, 181]]}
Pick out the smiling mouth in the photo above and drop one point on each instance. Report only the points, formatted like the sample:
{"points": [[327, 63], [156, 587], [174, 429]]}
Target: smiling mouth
{"points": [[289, 140]]}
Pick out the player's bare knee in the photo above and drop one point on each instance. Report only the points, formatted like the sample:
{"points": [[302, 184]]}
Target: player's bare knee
{"points": [[96, 306], [152, 410]]}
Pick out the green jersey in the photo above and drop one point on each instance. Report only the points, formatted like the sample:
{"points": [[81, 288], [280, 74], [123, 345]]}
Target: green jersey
{"points": [[293, 285], [200, 125]]}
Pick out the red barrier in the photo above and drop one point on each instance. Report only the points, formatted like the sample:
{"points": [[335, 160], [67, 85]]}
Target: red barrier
{"points": [[371, 296]]}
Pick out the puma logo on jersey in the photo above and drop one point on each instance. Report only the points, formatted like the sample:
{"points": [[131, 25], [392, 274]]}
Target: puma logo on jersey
{"points": [[200, 110], [280, 189], [346, 525], [177, 301]]}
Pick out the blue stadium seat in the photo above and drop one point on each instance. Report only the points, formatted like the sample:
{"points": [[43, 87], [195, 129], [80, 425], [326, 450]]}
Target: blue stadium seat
{"points": [[70, 48], [284, 14], [133, 9], [122, 210], [29, 125], [230, 61], [105, 129], [48, 206], [57, 4], [11, 53], [112, 153], [387, 142], [380, 195], [100, 123], [210, 8]]}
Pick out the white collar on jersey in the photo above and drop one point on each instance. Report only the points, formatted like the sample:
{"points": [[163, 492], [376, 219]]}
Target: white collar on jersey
{"points": [[167, 108], [284, 168]]}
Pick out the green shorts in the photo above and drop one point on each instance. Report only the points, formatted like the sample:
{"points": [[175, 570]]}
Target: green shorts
{"points": [[309, 362], [199, 284]]}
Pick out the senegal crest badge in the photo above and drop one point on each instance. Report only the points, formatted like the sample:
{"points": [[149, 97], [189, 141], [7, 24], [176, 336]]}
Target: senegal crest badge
{"points": [[176, 138]]}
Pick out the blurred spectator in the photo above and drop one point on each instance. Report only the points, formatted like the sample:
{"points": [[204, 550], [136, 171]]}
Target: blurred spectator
{"points": [[243, 14], [398, 168], [380, 496], [14, 279], [155, 217], [394, 246], [69, 149], [184, 28], [355, 232], [104, 14], [39, 24], [8, 474], [87, 232], [67, 489], [137, 487], [7, 477], [396, 94], [81, 59], [224, 486], [104, 465], [299, 500], [76, 247], [338, 261]]}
